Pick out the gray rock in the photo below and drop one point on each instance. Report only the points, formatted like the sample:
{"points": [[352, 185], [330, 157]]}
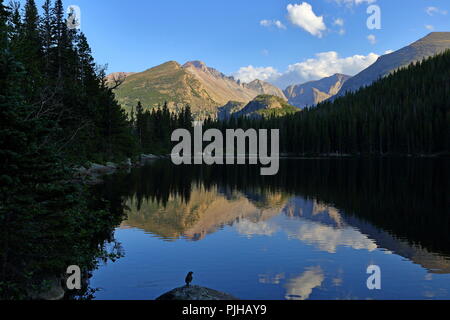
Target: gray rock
{"points": [[81, 172], [127, 163], [146, 158], [98, 169], [193, 293], [149, 156], [111, 165], [52, 290]]}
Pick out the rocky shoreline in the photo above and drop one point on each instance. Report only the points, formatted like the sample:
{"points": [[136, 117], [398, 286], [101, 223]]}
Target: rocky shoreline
{"points": [[93, 173]]}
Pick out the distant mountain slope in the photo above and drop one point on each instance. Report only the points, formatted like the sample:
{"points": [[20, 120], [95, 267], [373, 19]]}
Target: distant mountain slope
{"points": [[220, 87], [265, 88], [117, 76], [432, 44], [314, 92], [225, 112], [266, 105], [168, 82], [194, 83]]}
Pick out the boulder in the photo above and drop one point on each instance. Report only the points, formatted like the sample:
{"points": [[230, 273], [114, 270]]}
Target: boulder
{"points": [[81, 172], [98, 169], [126, 164], [52, 290], [111, 165], [149, 156], [192, 293], [145, 158]]}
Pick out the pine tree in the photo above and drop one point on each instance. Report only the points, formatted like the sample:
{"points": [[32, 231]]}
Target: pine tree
{"points": [[60, 36], [33, 192], [140, 122], [14, 26], [29, 52], [45, 28], [4, 14]]}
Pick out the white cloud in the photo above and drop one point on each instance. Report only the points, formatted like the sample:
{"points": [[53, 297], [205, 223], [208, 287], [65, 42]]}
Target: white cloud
{"points": [[339, 22], [323, 65], [429, 27], [432, 10], [250, 73], [388, 51], [269, 23], [303, 16], [372, 39], [326, 64]]}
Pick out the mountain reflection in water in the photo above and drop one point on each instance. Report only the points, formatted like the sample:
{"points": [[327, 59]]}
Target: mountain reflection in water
{"points": [[396, 207]]}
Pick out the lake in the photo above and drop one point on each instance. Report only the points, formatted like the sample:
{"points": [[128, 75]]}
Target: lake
{"points": [[309, 232]]}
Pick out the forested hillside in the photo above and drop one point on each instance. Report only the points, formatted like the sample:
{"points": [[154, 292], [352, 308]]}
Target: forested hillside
{"points": [[63, 85], [407, 112], [55, 112], [428, 46]]}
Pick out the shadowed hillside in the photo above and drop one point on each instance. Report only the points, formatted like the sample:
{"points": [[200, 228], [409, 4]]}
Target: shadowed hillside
{"points": [[432, 44]]}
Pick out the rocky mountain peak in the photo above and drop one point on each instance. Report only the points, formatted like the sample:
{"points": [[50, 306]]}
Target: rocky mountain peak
{"points": [[314, 92], [196, 64]]}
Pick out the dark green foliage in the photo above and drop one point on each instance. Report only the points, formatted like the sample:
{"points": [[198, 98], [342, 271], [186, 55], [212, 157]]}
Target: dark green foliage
{"points": [[67, 87], [407, 112], [154, 127], [4, 14], [55, 111]]}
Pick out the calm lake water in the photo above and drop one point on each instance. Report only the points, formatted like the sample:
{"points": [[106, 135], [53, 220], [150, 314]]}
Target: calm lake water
{"points": [[308, 233]]}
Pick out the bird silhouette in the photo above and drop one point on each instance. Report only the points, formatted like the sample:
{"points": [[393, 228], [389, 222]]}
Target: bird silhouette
{"points": [[189, 279]]}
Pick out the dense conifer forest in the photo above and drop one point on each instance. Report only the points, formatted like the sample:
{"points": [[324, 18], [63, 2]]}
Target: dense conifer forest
{"points": [[55, 111], [406, 113]]}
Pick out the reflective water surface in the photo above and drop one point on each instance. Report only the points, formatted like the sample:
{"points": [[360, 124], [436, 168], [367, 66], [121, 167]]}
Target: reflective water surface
{"points": [[308, 233]]}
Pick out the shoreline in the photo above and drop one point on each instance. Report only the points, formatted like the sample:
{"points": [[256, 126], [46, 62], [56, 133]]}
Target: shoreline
{"points": [[95, 173]]}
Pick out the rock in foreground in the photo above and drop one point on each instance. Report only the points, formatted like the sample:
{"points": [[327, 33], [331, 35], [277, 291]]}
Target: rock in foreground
{"points": [[195, 293]]}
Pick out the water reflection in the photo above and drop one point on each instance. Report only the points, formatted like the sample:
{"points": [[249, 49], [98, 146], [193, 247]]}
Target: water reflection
{"points": [[309, 221], [339, 214], [301, 287], [204, 213]]}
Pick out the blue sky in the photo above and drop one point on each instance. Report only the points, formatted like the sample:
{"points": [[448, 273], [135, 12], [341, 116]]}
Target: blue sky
{"points": [[271, 36]]}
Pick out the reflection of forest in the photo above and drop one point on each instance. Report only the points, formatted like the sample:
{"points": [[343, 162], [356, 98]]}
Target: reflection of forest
{"points": [[400, 205]]}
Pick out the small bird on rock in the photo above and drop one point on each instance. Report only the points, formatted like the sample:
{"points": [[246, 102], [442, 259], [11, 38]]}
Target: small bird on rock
{"points": [[189, 279]]}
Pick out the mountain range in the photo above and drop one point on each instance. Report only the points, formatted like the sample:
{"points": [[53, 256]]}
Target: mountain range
{"points": [[211, 93], [202, 87], [434, 43], [314, 92]]}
